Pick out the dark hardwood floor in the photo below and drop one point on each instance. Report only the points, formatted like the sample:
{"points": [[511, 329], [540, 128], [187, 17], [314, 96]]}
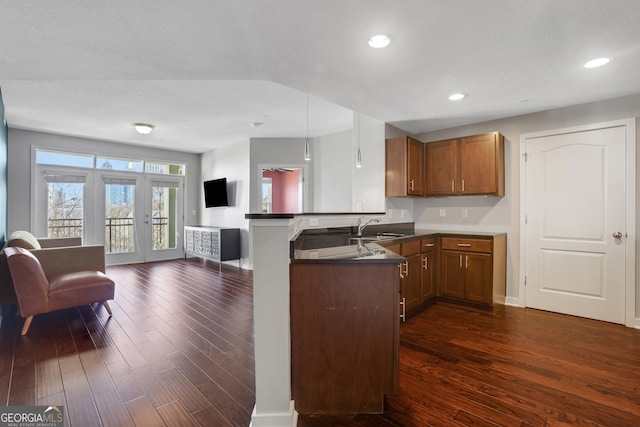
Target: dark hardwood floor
{"points": [[179, 351]]}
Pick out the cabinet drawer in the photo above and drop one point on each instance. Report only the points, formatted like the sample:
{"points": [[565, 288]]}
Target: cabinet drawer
{"points": [[428, 244], [464, 244], [410, 248]]}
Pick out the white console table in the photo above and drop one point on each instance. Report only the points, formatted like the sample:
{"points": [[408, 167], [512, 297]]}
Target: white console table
{"points": [[214, 243]]}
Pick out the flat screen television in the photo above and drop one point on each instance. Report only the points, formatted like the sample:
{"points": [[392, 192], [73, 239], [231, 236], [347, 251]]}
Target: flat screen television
{"points": [[215, 193]]}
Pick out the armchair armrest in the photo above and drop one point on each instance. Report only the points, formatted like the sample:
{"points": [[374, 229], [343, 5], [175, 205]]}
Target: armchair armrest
{"points": [[71, 259], [58, 242]]}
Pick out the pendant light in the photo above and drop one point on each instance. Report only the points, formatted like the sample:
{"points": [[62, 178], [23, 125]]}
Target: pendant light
{"points": [[359, 155], [307, 144]]}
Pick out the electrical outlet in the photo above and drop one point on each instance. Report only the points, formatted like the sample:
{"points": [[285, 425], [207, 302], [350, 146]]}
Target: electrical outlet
{"points": [[313, 222], [443, 212], [465, 213]]}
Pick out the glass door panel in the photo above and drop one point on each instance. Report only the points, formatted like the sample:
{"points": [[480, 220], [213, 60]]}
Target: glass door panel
{"points": [[119, 218], [164, 223], [65, 209], [163, 220]]}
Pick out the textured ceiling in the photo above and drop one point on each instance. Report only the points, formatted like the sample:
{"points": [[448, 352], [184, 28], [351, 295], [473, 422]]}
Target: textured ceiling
{"points": [[202, 70]]}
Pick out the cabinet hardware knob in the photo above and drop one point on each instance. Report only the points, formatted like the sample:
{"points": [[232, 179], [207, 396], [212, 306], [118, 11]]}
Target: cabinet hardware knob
{"points": [[463, 185], [429, 245], [464, 245]]}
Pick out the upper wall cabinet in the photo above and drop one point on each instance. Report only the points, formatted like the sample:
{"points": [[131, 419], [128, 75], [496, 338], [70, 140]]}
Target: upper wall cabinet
{"points": [[472, 165], [404, 157]]}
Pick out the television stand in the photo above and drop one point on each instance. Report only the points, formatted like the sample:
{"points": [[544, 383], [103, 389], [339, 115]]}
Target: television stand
{"points": [[213, 243]]}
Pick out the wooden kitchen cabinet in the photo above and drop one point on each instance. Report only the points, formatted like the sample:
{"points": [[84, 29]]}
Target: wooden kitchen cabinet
{"points": [[473, 269], [418, 277], [441, 167], [411, 287], [472, 165], [482, 164], [404, 165], [428, 269], [344, 336]]}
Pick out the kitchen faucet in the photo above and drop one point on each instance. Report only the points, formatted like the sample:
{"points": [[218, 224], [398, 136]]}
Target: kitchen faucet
{"points": [[362, 225]]}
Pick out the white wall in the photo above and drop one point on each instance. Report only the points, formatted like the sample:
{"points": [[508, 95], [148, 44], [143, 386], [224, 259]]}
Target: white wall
{"points": [[333, 177], [368, 180], [231, 162], [19, 169], [503, 214], [283, 152]]}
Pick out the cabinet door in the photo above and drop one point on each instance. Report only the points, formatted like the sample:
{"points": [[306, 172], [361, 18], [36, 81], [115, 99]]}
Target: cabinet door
{"points": [[441, 167], [478, 282], [411, 282], [415, 167], [428, 273], [452, 283], [482, 164]]}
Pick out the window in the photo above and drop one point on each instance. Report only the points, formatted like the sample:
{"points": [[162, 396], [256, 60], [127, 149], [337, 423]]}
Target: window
{"points": [[115, 164], [164, 168], [44, 157]]}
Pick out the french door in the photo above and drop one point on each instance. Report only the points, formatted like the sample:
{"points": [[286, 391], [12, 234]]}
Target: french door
{"points": [[142, 215]]}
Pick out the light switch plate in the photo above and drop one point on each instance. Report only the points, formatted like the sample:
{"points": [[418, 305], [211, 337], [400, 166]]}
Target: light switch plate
{"points": [[443, 212]]}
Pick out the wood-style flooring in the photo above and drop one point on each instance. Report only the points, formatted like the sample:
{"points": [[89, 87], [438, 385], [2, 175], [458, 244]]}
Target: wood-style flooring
{"points": [[178, 351]]}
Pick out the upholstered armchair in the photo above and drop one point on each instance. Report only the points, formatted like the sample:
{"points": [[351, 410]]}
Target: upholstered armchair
{"points": [[56, 255], [38, 293]]}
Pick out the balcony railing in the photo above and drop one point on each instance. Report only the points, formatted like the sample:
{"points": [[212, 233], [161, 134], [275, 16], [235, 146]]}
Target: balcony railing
{"points": [[119, 232], [65, 227], [119, 235]]}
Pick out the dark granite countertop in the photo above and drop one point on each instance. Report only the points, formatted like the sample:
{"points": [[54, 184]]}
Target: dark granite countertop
{"points": [[340, 244]]}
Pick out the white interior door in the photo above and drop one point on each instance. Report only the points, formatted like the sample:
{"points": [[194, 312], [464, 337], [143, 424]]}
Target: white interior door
{"points": [[575, 223]]}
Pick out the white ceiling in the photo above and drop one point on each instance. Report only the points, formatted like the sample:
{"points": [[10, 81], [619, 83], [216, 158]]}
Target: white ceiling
{"points": [[202, 70]]}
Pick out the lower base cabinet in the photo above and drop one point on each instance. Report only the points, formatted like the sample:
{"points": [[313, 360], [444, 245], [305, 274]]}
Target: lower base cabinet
{"points": [[344, 336], [473, 269]]}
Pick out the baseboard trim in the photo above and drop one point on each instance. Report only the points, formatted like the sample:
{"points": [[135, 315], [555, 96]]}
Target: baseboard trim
{"points": [[275, 419], [512, 301]]}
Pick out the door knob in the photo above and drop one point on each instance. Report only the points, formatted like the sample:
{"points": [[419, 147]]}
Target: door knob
{"points": [[617, 235]]}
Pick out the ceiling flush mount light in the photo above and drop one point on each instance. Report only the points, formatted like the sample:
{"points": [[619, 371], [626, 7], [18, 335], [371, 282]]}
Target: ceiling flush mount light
{"points": [[379, 41], [143, 128], [598, 62], [307, 144], [457, 96]]}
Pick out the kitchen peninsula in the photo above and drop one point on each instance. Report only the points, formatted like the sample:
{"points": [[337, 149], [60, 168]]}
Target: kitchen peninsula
{"points": [[348, 296], [275, 240]]}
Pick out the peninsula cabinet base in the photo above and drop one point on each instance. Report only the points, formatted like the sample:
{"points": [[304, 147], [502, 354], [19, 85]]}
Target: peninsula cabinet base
{"points": [[344, 337]]}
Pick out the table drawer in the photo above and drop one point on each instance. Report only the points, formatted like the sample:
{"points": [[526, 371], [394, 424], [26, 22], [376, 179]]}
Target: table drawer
{"points": [[465, 244]]}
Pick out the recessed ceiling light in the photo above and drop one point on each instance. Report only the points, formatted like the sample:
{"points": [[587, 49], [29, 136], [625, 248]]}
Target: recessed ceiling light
{"points": [[143, 128], [379, 41], [598, 62], [457, 96]]}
